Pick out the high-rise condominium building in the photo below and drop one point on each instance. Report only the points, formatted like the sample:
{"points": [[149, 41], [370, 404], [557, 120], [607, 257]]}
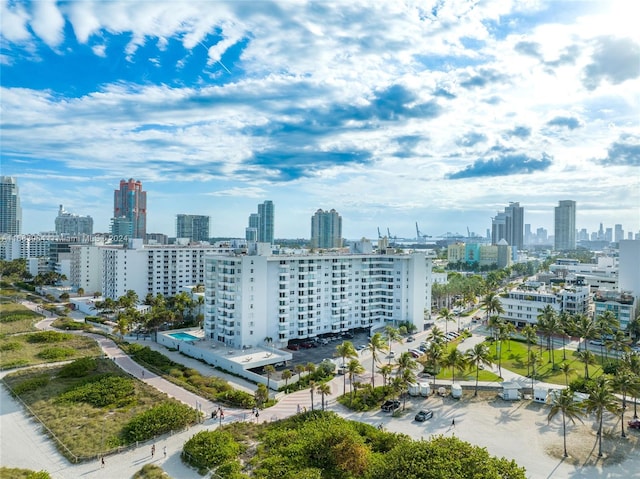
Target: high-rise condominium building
{"points": [[261, 224], [509, 226], [10, 211], [73, 225], [130, 201], [618, 234], [326, 229], [565, 225], [194, 227]]}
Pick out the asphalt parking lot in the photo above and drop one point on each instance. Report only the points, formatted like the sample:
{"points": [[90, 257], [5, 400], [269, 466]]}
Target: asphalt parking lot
{"points": [[324, 351]]}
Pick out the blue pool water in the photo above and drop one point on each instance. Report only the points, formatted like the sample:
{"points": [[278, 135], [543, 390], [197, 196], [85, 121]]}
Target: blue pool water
{"points": [[183, 336]]}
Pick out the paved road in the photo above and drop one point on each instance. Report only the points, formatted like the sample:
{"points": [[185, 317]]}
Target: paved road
{"points": [[514, 430]]}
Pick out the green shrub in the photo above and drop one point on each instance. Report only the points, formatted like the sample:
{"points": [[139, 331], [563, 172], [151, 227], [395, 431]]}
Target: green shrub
{"points": [[56, 354], [151, 471], [235, 397], [70, 325], [168, 416], [11, 346], [48, 337], [209, 449], [153, 358], [79, 368], [611, 367], [16, 473], [31, 384], [102, 391]]}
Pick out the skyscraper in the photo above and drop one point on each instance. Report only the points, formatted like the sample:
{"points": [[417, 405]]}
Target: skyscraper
{"points": [[326, 229], [131, 202], [265, 226], [194, 227], [10, 211], [509, 226], [73, 225], [618, 233], [565, 225]]}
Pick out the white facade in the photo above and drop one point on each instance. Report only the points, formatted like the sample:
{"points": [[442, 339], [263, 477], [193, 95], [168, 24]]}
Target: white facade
{"points": [[166, 269], [622, 305], [524, 304], [252, 297], [629, 269], [25, 246], [86, 268]]}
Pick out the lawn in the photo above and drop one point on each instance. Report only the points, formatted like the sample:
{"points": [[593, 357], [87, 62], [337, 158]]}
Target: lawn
{"points": [[514, 358], [88, 415], [44, 347], [16, 318]]}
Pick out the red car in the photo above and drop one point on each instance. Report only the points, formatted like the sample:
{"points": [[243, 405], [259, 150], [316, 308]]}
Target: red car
{"points": [[634, 424]]}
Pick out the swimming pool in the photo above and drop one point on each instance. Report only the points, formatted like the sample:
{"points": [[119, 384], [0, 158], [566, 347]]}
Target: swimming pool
{"points": [[184, 336]]}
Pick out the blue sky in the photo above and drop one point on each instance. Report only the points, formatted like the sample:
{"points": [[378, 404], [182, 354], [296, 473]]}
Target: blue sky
{"points": [[440, 112]]}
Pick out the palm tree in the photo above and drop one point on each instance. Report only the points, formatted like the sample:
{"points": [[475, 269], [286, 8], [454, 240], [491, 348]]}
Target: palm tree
{"points": [[533, 361], [601, 399], [587, 358], [346, 350], [566, 370], [269, 369], [509, 330], [404, 379], [432, 359], [606, 324], [530, 336], [436, 335], [354, 368], [502, 335], [286, 375], [447, 315], [385, 370], [624, 382], [376, 346], [405, 363], [492, 304], [570, 409], [566, 325], [479, 355], [548, 325], [456, 361], [391, 334], [585, 329], [312, 388], [494, 324], [618, 342], [631, 363], [324, 389], [299, 369]]}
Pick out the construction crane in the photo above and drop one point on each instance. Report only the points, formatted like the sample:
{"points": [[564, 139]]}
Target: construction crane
{"points": [[379, 235], [420, 238]]}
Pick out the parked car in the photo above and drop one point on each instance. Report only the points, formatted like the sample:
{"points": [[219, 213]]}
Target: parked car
{"points": [[423, 415], [411, 339], [362, 347], [597, 342], [390, 405], [391, 355], [634, 424], [415, 353], [294, 347]]}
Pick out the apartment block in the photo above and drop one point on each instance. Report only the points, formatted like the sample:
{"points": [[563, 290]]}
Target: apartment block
{"points": [[289, 297]]}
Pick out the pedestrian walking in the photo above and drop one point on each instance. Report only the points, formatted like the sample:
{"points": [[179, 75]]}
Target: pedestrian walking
{"points": [[453, 422], [102, 462], [153, 450], [143, 373], [164, 450], [298, 408]]}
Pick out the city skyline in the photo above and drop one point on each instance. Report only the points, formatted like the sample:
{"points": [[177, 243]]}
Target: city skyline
{"points": [[452, 113]]}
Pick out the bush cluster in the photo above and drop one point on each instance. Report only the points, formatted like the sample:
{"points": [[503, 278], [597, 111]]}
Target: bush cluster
{"points": [[210, 450], [11, 346], [366, 397], [168, 416], [48, 337], [31, 384], [56, 353], [70, 325], [102, 391], [78, 368]]}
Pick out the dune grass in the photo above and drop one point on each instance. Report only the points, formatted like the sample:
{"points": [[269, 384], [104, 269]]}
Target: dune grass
{"points": [[16, 318]]}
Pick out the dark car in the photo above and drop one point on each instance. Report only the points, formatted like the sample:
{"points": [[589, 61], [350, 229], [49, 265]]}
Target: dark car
{"points": [[423, 415], [390, 405], [294, 347], [411, 339], [634, 424]]}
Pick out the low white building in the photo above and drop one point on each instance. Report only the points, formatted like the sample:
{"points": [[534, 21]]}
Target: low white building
{"points": [[622, 304], [288, 297], [523, 305]]}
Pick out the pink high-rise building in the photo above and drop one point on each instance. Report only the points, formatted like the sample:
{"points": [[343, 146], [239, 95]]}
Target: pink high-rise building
{"points": [[130, 202]]}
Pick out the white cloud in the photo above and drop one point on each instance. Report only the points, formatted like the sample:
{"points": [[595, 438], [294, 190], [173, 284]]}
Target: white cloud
{"points": [[13, 22], [48, 22]]}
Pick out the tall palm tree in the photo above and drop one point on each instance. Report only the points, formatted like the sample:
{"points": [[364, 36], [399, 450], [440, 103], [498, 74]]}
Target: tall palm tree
{"points": [[530, 336], [624, 382], [456, 361], [494, 323], [404, 379], [566, 370], [533, 361], [571, 409], [286, 375], [492, 304], [502, 335], [478, 356], [323, 389], [447, 315], [405, 363], [585, 329], [299, 369], [587, 358], [432, 359], [385, 370], [617, 341], [436, 335], [312, 388], [391, 334], [376, 346], [354, 368], [269, 370], [548, 325], [601, 399], [509, 330], [346, 350], [631, 362], [606, 324], [566, 326]]}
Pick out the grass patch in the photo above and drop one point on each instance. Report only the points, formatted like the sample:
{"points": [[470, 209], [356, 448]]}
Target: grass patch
{"points": [[44, 347], [68, 324], [16, 473], [16, 318], [98, 411], [151, 471]]}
